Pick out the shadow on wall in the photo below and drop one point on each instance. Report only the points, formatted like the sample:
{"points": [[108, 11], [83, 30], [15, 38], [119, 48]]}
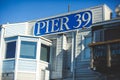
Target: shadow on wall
{"points": [[81, 65]]}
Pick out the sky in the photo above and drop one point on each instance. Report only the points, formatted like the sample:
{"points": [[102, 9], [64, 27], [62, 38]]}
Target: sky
{"points": [[14, 11]]}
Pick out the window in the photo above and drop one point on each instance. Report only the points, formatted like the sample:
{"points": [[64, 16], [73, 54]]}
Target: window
{"points": [[45, 53], [100, 51], [98, 35], [10, 50], [115, 48], [28, 49], [87, 40], [112, 34]]}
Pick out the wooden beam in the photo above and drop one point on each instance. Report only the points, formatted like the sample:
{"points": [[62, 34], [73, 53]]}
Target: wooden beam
{"points": [[103, 43]]}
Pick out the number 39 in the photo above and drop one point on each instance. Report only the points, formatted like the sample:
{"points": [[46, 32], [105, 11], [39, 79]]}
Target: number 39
{"points": [[82, 18]]}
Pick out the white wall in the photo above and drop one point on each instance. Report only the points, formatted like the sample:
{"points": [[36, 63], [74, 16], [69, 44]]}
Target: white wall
{"points": [[107, 12], [15, 29]]}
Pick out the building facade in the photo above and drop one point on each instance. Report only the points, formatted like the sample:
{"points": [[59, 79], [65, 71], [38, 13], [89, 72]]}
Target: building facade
{"points": [[53, 48], [106, 48]]}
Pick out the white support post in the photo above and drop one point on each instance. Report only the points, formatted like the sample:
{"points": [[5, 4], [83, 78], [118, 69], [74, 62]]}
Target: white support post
{"points": [[17, 54], [38, 59], [72, 52], [1, 50]]}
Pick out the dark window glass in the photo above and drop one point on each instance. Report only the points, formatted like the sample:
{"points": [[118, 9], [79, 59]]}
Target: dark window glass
{"points": [[28, 50], [111, 34], [98, 35], [45, 53], [100, 56], [115, 48], [100, 51], [10, 50]]}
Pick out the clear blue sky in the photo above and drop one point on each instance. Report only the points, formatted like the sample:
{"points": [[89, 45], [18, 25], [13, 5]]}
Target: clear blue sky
{"points": [[13, 11]]}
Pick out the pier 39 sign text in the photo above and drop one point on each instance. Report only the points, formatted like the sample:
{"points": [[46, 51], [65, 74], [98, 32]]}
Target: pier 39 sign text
{"points": [[63, 23]]}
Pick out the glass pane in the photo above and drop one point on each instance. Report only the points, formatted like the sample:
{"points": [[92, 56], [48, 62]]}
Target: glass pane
{"points": [[109, 34], [28, 50], [98, 35], [100, 51], [87, 41], [87, 53], [87, 49], [10, 50], [45, 52], [115, 48]]}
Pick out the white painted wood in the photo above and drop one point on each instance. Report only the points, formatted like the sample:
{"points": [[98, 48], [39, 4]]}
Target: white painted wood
{"points": [[25, 76], [47, 75], [15, 29], [107, 12], [29, 39], [1, 50], [27, 65], [38, 59], [59, 57], [17, 53]]}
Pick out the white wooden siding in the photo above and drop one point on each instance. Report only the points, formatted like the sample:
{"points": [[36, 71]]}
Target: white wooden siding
{"points": [[30, 28], [43, 72], [29, 39], [59, 58], [97, 14], [15, 29], [47, 75], [25, 76], [44, 75], [27, 65], [107, 12]]}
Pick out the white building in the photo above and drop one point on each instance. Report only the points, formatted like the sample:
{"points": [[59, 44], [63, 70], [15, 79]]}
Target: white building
{"points": [[53, 48]]}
